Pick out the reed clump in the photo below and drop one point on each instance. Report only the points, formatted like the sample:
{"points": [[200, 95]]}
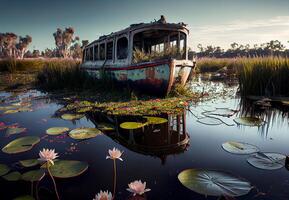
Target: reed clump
{"points": [[64, 75], [17, 65], [264, 76], [207, 65]]}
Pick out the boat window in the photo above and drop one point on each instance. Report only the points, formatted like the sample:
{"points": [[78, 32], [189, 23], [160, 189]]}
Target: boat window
{"points": [[122, 48], [96, 52], [87, 54], [91, 53], [109, 50], [102, 51], [158, 44], [183, 45]]}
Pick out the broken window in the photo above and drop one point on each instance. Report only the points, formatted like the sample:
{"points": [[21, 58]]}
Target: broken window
{"points": [[109, 50], [96, 52], [158, 44], [122, 48], [86, 54], [91, 53], [102, 51]]}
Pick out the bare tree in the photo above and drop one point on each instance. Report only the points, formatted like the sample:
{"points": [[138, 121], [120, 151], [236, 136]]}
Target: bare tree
{"points": [[64, 40], [8, 43], [23, 44]]}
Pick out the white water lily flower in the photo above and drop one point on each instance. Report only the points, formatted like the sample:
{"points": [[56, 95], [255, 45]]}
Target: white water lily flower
{"points": [[114, 154], [48, 155], [103, 195], [137, 187]]}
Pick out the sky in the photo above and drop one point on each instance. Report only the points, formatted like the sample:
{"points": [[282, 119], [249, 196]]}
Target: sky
{"points": [[211, 22]]}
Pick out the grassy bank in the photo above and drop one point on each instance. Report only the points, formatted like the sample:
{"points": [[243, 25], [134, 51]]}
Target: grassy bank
{"points": [[205, 65], [16, 73], [32, 65], [264, 76]]}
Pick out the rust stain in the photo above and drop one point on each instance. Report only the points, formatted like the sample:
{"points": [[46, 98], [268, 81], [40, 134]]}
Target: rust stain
{"points": [[150, 73]]}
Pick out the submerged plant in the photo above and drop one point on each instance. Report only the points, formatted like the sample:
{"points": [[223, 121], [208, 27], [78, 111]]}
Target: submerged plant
{"points": [[113, 155], [137, 187], [48, 156], [103, 195]]}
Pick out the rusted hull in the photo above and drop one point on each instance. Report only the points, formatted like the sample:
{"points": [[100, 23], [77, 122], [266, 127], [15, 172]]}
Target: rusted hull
{"points": [[155, 78]]}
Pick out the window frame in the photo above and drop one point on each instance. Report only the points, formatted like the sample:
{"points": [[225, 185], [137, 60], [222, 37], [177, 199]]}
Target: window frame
{"points": [[117, 49]]}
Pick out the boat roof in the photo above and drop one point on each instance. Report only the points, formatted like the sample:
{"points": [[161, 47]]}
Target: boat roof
{"points": [[133, 27]]}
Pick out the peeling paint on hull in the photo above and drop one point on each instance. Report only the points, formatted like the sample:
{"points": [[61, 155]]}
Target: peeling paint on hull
{"points": [[153, 78]]}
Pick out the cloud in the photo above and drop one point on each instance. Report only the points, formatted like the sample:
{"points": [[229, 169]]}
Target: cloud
{"points": [[246, 32]]}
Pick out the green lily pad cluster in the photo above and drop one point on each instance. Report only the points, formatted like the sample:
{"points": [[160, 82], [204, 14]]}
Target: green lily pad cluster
{"points": [[172, 106], [21, 144], [258, 159], [84, 133], [149, 121], [14, 130], [12, 176], [214, 183], [68, 168], [72, 117], [56, 130], [249, 121], [16, 107]]}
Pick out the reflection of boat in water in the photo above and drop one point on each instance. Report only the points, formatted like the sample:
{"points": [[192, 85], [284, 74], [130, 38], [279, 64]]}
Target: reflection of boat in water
{"points": [[158, 140]]}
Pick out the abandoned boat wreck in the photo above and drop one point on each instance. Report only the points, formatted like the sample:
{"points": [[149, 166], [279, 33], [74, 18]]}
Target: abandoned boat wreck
{"points": [[148, 57]]}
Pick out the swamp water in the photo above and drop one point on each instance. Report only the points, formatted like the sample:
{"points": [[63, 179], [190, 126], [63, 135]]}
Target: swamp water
{"points": [[155, 155]]}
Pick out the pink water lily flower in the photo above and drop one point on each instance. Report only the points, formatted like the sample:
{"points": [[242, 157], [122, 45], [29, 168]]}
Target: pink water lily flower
{"points": [[48, 155], [114, 154], [103, 195], [137, 187]]}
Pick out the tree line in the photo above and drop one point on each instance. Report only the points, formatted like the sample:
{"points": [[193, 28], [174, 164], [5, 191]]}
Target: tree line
{"points": [[272, 48], [66, 45]]}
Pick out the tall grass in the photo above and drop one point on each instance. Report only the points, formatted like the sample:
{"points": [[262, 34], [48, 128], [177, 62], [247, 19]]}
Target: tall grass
{"points": [[267, 76], [64, 75], [215, 64], [30, 65]]}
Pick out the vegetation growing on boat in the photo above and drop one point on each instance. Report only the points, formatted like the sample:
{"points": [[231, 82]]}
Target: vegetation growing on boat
{"points": [[169, 52]]}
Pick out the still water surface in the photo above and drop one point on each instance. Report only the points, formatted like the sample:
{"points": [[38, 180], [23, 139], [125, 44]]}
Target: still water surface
{"points": [[153, 157]]}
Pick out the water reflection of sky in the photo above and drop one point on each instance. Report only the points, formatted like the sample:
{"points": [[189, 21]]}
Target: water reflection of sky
{"points": [[204, 151]]}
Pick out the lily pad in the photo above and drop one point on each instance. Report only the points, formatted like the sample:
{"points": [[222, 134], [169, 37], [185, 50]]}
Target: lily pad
{"points": [[131, 125], [21, 144], [214, 183], [224, 112], [57, 130], [34, 175], [14, 130], [239, 148], [210, 121], [25, 109], [268, 161], [4, 169], [68, 168], [11, 111], [24, 197], [105, 127], [13, 176], [249, 121], [156, 120], [84, 133], [71, 116], [84, 110], [29, 162]]}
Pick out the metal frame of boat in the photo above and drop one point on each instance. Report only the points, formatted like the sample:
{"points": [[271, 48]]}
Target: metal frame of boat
{"points": [[113, 56]]}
